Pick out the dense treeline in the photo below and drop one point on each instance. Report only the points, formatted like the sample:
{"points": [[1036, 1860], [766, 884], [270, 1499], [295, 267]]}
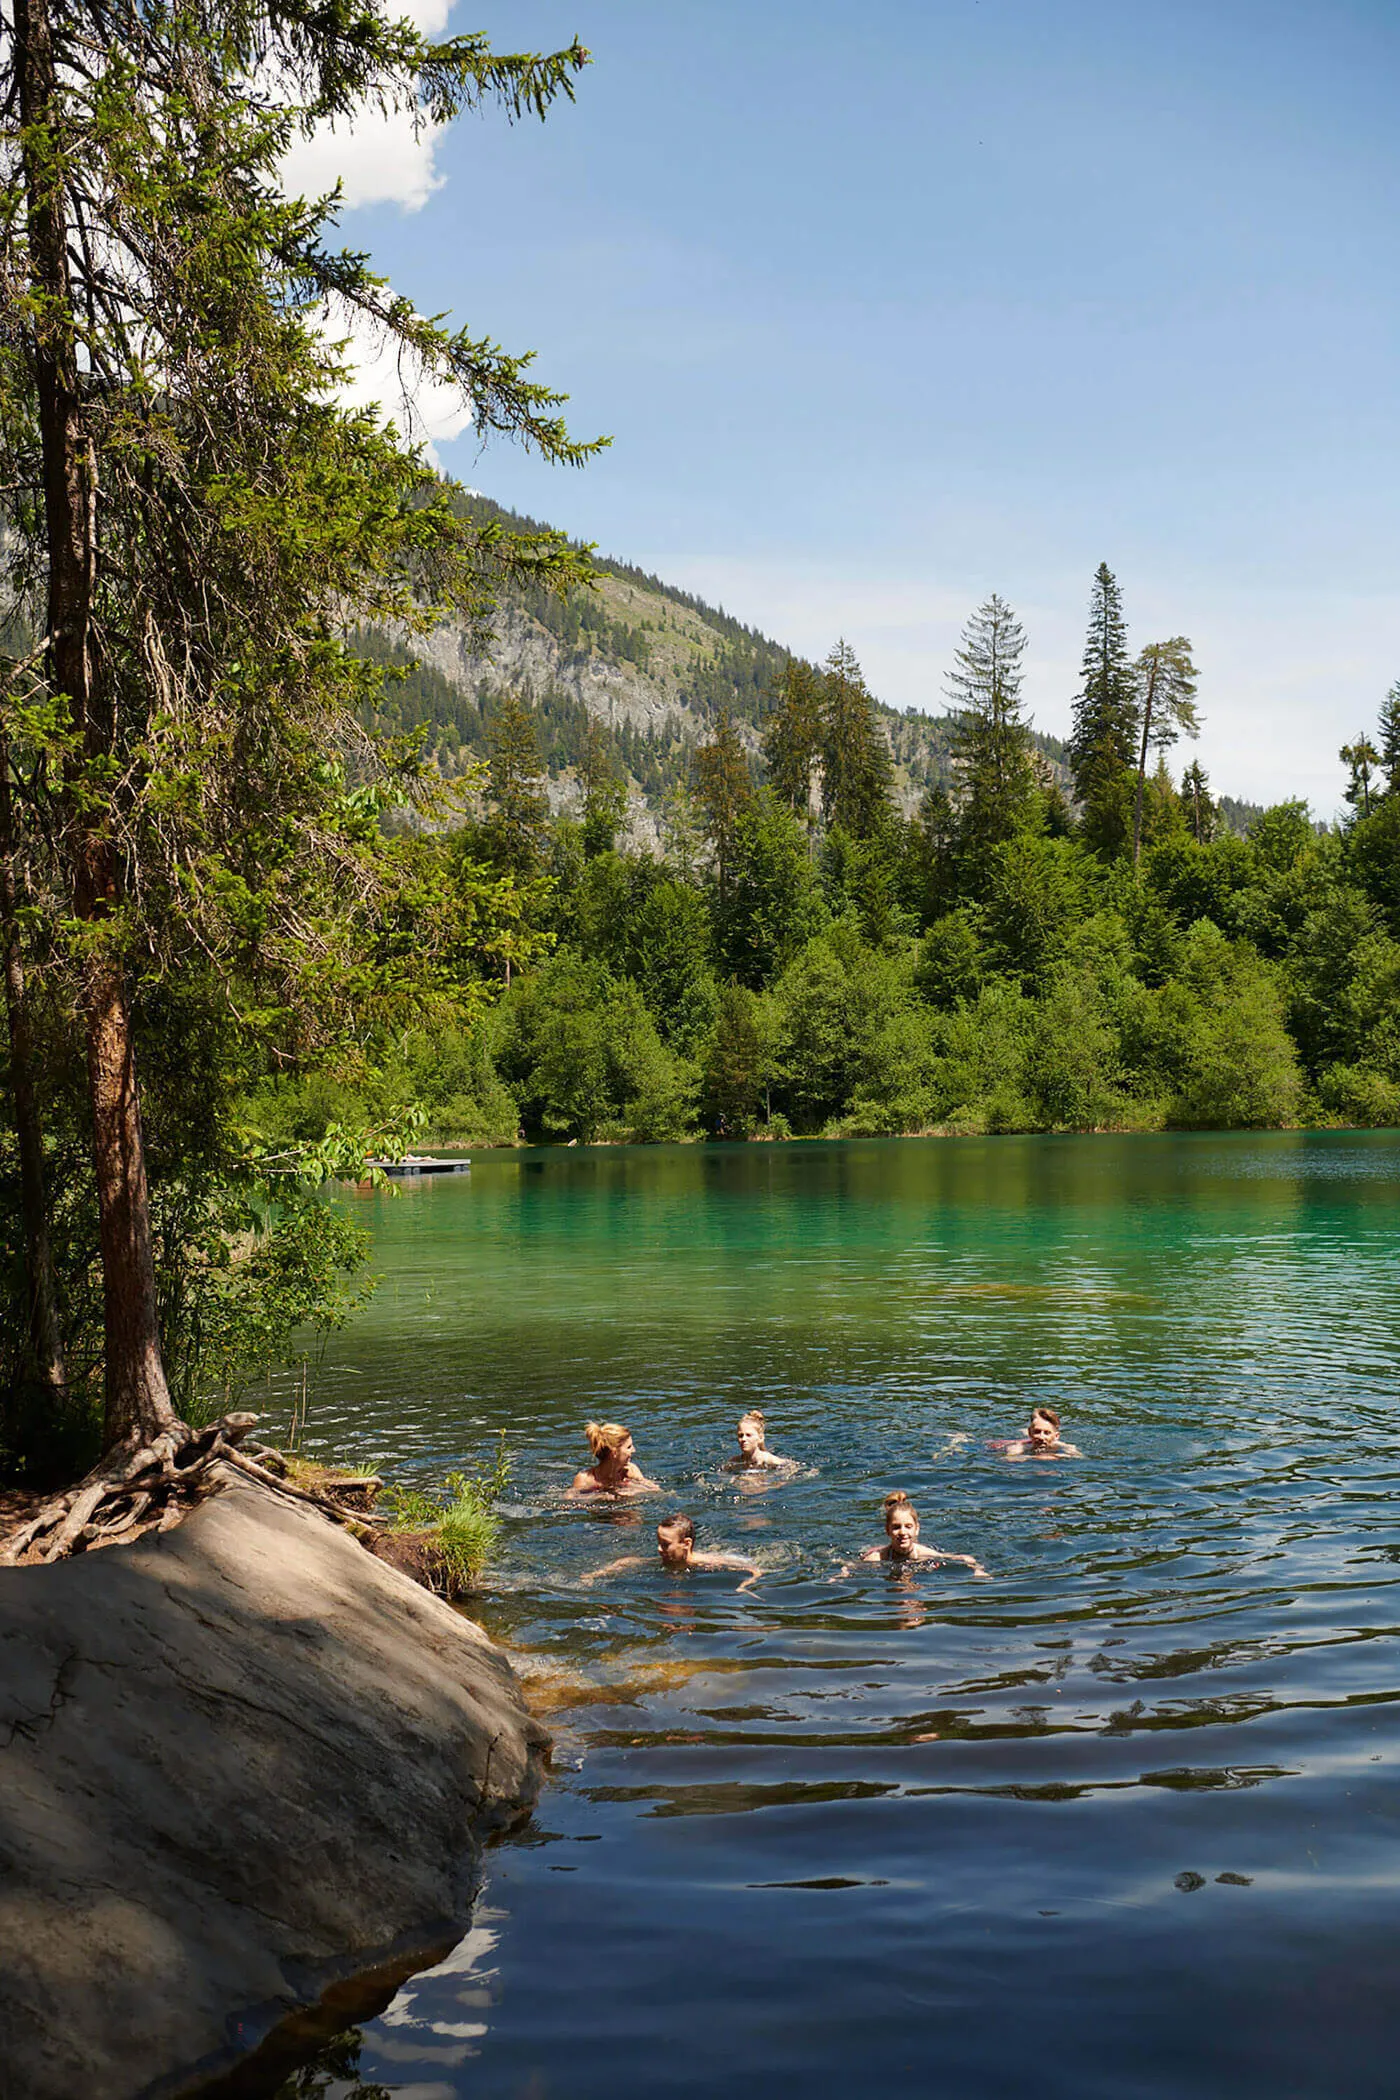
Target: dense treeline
{"points": [[803, 959]]}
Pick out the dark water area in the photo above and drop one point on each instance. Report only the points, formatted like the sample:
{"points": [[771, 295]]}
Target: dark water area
{"points": [[1124, 1821]]}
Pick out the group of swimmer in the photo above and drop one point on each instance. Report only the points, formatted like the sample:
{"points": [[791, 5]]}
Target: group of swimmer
{"points": [[615, 1472]]}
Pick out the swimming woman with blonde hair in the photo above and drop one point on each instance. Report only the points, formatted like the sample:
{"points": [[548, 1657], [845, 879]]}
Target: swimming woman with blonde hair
{"points": [[902, 1540], [754, 1454], [613, 1471]]}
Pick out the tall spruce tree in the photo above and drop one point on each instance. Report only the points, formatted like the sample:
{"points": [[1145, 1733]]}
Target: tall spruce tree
{"points": [[1166, 682], [520, 812], [857, 773], [604, 790], [1361, 759], [1196, 801], [1388, 733], [194, 526], [724, 790], [792, 736], [1102, 744], [991, 742]]}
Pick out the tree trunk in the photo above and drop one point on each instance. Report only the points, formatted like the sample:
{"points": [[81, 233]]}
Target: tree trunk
{"points": [[45, 1337], [138, 1400], [1147, 700]]}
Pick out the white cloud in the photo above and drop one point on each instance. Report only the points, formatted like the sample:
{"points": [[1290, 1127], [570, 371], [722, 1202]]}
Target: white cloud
{"points": [[426, 409], [382, 159], [378, 159]]}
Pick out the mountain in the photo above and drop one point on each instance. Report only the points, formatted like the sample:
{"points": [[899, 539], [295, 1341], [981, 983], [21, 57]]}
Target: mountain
{"points": [[652, 664]]}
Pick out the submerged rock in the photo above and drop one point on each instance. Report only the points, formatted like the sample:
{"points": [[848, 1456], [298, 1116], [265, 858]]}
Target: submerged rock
{"points": [[240, 1762]]}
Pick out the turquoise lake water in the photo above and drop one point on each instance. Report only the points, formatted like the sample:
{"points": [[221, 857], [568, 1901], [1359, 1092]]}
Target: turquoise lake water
{"points": [[1124, 1821]]}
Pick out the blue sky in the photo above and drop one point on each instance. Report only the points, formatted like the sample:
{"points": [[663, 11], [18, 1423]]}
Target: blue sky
{"points": [[889, 306]]}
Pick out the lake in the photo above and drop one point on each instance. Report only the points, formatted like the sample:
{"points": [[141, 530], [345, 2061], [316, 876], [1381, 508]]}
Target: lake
{"points": [[1125, 1820]]}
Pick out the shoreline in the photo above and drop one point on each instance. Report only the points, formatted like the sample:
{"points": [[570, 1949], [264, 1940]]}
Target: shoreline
{"points": [[504, 1148]]}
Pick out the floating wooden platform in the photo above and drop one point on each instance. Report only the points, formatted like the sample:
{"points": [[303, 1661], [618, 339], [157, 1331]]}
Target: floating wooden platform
{"points": [[412, 1166]]}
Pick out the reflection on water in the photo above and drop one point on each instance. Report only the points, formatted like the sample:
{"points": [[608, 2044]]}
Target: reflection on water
{"points": [[1124, 1820]]}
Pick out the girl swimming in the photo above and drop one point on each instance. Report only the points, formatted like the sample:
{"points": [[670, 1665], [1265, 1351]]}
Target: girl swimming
{"points": [[613, 1471]]}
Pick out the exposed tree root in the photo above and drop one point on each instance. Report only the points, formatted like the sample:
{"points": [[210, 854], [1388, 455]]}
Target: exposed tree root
{"points": [[152, 1488]]}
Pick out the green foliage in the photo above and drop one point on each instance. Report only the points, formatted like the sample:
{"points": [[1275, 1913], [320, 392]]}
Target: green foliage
{"points": [[773, 905], [739, 1064], [1103, 746], [992, 746], [461, 1524], [792, 736], [856, 768], [583, 1058]]}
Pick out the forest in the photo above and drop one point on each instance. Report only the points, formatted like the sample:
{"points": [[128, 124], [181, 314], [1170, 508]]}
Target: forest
{"points": [[801, 959]]}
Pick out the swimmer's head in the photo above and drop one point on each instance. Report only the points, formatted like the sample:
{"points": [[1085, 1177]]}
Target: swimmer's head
{"points": [[751, 1433], [609, 1440], [1045, 1427], [901, 1523], [675, 1540]]}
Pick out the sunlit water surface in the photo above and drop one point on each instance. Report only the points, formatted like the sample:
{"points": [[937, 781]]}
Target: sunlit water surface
{"points": [[1124, 1821]]}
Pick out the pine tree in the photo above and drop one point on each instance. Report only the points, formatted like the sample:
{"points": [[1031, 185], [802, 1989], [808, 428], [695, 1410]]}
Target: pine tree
{"points": [[792, 736], [724, 789], [195, 528], [1197, 803], [991, 743], [857, 773], [1362, 758], [519, 818], [604, 791], [1166, 684], [1102, 745], [1388, 731]]}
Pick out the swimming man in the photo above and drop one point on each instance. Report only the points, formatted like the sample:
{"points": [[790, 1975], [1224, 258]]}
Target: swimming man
{"points": [[675, 1544]]}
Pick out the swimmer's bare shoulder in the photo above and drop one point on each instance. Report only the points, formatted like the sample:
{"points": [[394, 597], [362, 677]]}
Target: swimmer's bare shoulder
{"points": [[750, 1569], [614, 1567]]}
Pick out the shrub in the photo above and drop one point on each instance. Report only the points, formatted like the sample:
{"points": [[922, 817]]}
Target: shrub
{"points": [[1361, 1095], [460, 1532]]}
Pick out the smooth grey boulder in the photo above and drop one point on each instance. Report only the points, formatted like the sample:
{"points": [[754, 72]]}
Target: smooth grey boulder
{"points": [[239, 1762]]}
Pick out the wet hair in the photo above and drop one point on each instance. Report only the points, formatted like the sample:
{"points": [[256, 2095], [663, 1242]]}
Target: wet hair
{"points": [[604, 1437], [680, 1526], [898, 1500], [752, 1414], [1047, 1414]]}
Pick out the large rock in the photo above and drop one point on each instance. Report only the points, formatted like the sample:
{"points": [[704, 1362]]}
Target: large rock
{"points": [[239, 1763]]}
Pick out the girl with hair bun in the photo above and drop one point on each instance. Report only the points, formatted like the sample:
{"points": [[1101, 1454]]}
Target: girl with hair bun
{"points": [[613, 1471], [754, 1454], [902, 1540]]}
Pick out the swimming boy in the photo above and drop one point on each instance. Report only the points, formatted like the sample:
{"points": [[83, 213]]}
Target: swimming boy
{"points": [[675, 1544], [753, 1448], [902, 1546], [614, 1470], [1042, 1439]]}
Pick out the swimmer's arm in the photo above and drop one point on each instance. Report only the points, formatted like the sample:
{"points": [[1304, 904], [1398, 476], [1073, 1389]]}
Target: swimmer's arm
{"points": [[963, 1560], [848, 1567], [637, 1481], [749, 1568], [1070, 1451], [585, 1484], [614, 1567]]}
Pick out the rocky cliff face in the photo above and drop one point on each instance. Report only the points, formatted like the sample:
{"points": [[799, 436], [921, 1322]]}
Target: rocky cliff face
{"points": [[239, 1763]]}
